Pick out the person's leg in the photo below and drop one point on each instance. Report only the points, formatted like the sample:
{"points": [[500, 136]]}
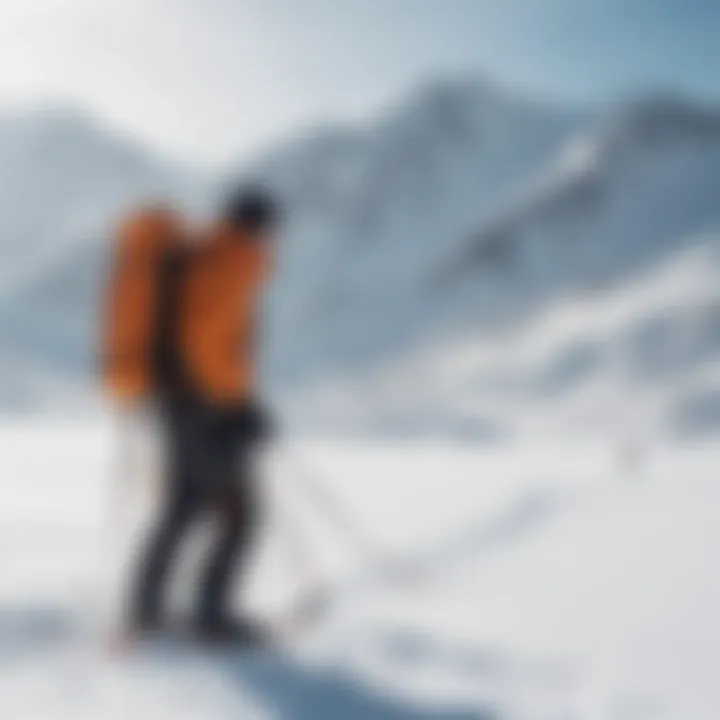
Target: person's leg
{"points": [[181, 501], [234, 504]]}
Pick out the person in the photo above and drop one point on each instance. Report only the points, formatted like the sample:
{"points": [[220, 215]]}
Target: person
{"points": [[200, 355]]}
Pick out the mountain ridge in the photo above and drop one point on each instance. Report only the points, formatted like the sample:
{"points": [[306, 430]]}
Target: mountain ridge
{"points": [[461, 210]]}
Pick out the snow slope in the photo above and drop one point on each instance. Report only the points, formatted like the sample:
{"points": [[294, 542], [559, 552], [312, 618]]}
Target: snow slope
{"points": [[547, 585], [630, 362]]}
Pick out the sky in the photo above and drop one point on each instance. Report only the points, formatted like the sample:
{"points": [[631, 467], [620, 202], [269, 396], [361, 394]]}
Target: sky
{"points": [[213, 81]]}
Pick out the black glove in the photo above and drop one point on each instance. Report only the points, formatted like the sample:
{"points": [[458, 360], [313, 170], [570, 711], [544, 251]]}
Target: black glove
{"points": [[250, 422]]}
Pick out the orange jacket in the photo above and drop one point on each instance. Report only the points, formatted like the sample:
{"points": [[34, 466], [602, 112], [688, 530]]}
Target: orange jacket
{"points": [[129, 313], [221, 288]]}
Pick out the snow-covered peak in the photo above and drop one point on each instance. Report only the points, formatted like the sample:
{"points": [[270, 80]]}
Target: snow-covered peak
{"points": [[58, 166], [649, 174], [664, 116]]}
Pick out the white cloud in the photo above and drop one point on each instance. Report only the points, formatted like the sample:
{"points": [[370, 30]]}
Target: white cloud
{"points": [[208, 80], [213, 79], [172, 72]]}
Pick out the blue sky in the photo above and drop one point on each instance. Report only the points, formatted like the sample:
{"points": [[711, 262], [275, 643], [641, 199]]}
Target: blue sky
{"points": [[570, 48], [214, 79]]}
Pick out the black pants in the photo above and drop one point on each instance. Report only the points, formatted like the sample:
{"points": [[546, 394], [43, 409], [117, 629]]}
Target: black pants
{"points": [[208, 471]]}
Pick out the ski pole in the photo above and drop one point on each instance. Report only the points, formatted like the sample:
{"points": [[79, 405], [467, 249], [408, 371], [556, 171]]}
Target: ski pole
{"points": [[114, 510], [382, 565], [313, 590], [297, 545], [328, 505]]}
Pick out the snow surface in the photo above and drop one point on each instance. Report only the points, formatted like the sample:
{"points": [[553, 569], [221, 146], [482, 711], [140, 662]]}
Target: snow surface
{"points": [[542, 581]]}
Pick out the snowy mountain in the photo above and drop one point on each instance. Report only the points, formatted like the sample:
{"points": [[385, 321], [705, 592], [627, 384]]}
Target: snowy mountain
{"points": [[61, 173], [617, 202], [462, 218], [375, 210], [63, 181], [613, 199], [540, 281]]}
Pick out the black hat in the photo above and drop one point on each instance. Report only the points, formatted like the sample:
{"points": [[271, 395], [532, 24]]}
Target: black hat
{"points": [[253, 207]]}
